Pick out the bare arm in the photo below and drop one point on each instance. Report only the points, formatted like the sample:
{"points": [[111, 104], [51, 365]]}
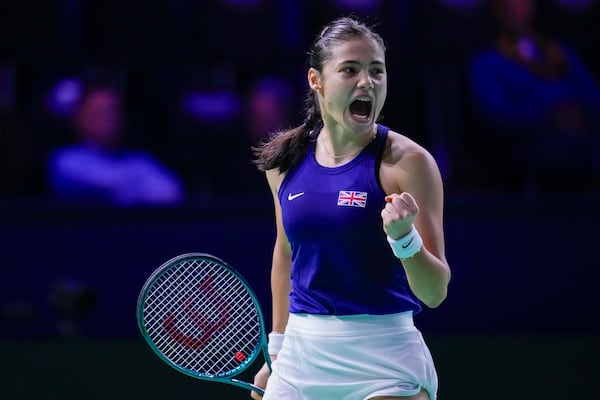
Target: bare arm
{"points": [[282, 262], [280, 277], [415, 182]]}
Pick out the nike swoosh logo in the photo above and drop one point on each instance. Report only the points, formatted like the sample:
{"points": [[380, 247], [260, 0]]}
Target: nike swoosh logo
{"points": [[293, 196], [408, 244]]}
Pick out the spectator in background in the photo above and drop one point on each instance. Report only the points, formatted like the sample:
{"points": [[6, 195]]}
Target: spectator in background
{"points": [[268, 105], [535, 92], [100, 168]]}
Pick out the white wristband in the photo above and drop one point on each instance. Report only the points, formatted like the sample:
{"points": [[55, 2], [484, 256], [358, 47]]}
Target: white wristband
{"points": [[408, 245], [275, 342]]}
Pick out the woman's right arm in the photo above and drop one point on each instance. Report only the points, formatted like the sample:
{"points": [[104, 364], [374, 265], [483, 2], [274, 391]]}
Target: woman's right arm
{"points": [[280, 276], [282, 262]]}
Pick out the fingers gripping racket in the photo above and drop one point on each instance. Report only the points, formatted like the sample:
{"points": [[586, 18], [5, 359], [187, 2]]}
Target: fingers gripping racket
{"points": [[202, 318]]}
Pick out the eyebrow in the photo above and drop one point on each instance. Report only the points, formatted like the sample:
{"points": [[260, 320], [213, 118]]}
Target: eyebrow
{"points": [[358, 62]]}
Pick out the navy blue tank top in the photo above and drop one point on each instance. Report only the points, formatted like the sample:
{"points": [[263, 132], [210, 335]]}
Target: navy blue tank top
{"points": [[341, 261]]}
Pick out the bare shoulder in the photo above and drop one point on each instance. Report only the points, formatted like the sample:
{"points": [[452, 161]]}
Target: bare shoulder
{"points": [[406, 163], [403, 152], [274, 178]]}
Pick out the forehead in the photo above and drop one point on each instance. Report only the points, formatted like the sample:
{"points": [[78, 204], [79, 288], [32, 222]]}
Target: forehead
{"points": [[359, 49]]}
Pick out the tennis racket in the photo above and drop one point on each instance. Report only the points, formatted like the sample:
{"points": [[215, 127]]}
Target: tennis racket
{"points": [[202, 318]]}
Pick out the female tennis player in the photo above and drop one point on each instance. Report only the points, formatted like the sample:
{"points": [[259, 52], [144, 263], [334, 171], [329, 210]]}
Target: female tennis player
{"points": [[360, 242]]}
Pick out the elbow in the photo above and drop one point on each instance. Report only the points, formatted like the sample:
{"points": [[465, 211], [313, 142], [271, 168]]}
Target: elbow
{"points": [[434, 303], [434, 292], [434, 300]]}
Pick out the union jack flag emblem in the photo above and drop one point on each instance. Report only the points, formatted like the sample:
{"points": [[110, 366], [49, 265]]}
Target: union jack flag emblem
{"points": [[352, 199]]}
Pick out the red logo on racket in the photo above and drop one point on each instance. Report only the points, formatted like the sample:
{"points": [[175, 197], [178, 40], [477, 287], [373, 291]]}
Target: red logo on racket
{"points": [[208, 326], [240, 356]]}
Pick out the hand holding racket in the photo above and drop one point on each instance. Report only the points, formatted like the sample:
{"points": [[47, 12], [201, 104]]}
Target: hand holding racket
{"points": [[201, 317]]}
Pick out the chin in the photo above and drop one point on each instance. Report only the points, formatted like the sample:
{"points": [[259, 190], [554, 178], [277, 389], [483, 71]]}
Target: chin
{"points": [[361, 125]]}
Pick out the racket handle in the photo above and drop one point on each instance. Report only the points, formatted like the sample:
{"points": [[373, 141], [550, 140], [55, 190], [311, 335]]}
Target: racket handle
{"points": [[247, 385]]}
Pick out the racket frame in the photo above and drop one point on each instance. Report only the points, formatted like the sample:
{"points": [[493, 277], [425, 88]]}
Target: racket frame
{"points": [[228, 378]]}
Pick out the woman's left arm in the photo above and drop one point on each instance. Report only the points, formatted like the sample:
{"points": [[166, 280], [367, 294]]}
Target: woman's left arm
{"points": [[420, 203]]}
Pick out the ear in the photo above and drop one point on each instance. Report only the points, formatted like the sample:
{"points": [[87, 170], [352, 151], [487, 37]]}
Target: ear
{"points": [[314, 79]]}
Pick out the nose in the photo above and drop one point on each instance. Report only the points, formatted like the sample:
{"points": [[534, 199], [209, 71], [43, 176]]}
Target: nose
{"points": [[365, 81]]}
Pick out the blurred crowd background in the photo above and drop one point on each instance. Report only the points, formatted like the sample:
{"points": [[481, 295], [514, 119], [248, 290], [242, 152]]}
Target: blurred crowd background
{"points": [[189, 86]]}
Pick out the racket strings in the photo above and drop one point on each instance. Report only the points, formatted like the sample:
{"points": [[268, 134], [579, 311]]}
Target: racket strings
{"points": [[202, 318]]}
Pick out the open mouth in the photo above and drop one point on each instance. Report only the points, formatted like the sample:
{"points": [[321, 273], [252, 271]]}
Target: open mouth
{"points": [[361, 108]]}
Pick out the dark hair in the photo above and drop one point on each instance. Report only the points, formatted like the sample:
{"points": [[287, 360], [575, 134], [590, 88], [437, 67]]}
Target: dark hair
{"points": [[284, 149]]}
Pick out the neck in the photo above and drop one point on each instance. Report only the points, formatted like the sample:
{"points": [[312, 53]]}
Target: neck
{"points": [[334, 155]]}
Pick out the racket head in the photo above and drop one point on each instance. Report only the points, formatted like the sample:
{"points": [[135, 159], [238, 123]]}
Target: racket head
{"points": [[200, 316]]}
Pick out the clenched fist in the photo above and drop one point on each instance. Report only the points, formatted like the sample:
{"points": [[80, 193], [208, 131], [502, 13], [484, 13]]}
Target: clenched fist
{"points": [[398, 214]]}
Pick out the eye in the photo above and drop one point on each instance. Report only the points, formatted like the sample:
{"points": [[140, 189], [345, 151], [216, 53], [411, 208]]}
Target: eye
{"points": [[378, 71], [348, 70]]}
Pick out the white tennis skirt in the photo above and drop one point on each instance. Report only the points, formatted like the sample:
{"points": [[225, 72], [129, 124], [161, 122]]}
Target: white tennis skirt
{"points": [[355, 357]]}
